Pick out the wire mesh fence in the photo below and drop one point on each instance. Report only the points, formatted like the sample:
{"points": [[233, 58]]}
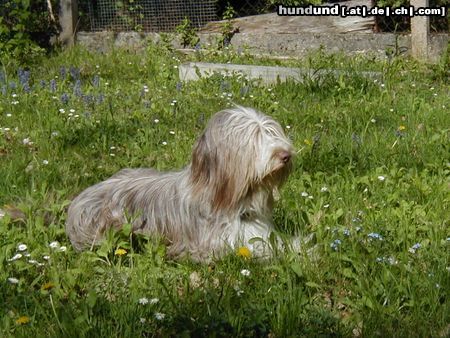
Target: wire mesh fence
{"points": [[402, 23], [166, 15], [144, 15], [245, 7]]}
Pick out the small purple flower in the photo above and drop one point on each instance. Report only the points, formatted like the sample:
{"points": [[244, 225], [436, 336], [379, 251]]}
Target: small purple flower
{"points": [[96, 81], [42, 83], [88, 98], [100, 98], [26, 88], [3, 90], [63, 72], [179, 86], [12, 85], [77, 88], [346, 232], [24, 76], [53, 85], [74, 73], [197, 47], [2, 77], [65, 98]]}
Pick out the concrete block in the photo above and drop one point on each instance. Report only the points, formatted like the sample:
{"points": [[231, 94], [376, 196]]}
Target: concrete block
{"points": [[193, 71]]}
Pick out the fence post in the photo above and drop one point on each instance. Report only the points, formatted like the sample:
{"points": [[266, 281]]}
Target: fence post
{"points": [[420, 32], [68, 18]]}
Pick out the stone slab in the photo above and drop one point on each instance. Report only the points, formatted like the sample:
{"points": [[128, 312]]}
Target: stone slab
{"points": [[193, 71]]}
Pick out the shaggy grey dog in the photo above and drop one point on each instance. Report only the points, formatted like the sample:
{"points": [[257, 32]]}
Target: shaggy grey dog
{"points": [[220, 201]]}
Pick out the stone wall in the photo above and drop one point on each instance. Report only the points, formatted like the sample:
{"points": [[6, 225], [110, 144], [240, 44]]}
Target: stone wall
{"points": [[280, 45]]}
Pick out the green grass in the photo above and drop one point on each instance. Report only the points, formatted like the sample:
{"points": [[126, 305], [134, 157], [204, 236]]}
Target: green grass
{"points": [[371, 183]]}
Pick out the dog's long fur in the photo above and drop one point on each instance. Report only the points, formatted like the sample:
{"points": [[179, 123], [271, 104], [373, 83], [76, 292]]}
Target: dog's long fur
{"points": [[221, 200]]}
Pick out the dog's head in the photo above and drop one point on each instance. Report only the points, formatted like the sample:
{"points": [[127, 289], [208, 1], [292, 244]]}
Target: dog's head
{"points": [[240, 151]]}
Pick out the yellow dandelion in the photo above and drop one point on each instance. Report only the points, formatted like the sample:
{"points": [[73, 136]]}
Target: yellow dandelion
{"points": [[48, 286], [22, 320], [120, 252], [244, 252], [307, 142], [402, 127]]}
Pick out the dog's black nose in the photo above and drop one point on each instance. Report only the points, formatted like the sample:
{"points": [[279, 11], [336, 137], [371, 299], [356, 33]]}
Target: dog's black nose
{"points": [[285, 156]]}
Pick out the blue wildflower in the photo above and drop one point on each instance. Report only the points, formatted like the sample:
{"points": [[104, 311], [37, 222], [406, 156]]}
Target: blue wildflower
{"points": [[12, 85], [374, 235], [77, 88], [24, 76], [414, 248], [88, 98], [335, 244], [100, 98], [2, 77], [26, 88], [53, 85], [74, 73], [42, 83], [179, 86], [65, 98], [197, 47], [346, 232], [96, 81], [3, 90], [62, 72]]}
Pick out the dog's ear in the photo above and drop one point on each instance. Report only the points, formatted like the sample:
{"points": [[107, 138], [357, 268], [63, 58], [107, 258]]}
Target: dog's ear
{"points": [[204, 160], [217, 173]]}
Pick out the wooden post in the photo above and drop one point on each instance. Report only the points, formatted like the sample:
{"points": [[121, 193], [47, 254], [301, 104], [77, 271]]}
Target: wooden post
{"points": [[68, 18], [420, 32]]}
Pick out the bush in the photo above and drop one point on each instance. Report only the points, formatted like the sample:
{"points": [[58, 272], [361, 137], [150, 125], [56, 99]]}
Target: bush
{"points": [[26, 28]]}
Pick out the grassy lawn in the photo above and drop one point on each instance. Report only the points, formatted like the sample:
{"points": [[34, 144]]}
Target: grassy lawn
{"points": [[370, 186]]}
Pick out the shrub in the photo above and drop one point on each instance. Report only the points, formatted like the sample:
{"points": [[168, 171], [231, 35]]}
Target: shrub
{"points": [[26, 28]]}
